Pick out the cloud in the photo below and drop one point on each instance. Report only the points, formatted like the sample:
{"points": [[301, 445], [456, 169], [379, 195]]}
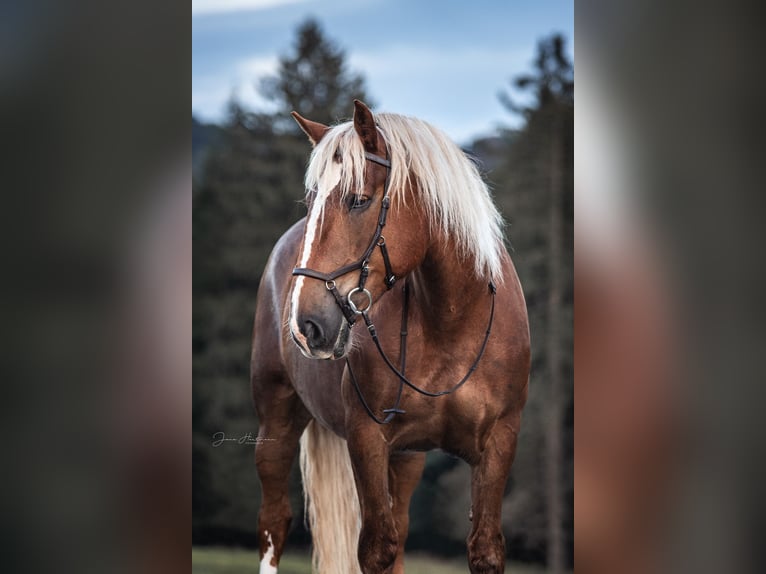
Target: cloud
{"points": [[257, 67], [453, 88], [211, 93], [247, 74], [404, 60], [203, 7]]}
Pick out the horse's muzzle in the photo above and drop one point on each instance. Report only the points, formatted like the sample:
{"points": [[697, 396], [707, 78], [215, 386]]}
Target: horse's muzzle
{"points": [[322, 337]]}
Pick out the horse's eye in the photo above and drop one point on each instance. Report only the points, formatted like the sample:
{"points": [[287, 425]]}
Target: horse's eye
{"points": [[359, 201]]}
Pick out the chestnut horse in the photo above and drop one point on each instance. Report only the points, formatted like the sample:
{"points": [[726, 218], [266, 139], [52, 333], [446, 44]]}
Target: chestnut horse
{"points": [[402, 233]]}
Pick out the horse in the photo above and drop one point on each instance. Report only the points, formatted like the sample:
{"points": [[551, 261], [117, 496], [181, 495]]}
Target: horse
{"points": [[401, 232]]}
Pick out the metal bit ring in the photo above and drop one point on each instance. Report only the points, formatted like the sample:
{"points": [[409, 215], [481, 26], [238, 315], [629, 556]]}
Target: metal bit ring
{"points": [[353, 306]]}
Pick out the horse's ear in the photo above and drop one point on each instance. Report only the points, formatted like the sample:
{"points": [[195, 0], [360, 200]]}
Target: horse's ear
{"points": [[314, 130], [364, 124]]}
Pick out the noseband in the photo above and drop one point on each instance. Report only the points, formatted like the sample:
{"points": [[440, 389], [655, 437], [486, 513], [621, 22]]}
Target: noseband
{"points": [[350, 310]]}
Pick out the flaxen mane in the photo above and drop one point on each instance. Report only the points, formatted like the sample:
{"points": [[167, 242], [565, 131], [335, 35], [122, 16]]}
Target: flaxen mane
{"points": [[423, 158]]}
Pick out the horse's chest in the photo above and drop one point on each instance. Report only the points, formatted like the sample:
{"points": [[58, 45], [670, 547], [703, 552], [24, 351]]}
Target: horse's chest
{"points": [[456, 423]]}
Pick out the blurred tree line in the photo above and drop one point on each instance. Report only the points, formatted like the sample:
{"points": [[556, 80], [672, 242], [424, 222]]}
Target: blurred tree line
{"points": [[248, 188]]}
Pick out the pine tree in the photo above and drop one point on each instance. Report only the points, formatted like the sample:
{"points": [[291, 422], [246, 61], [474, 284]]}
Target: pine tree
{"points": [[541, 165], [314, 80], [552, 80]]}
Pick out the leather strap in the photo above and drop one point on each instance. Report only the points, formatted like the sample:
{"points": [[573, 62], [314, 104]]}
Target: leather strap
{"points": [[377, 159], [403, 380], [362, 263]]}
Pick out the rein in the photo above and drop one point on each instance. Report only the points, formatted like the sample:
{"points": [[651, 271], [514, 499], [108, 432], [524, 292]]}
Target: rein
{"points": [[351, 311], [403, 380]]}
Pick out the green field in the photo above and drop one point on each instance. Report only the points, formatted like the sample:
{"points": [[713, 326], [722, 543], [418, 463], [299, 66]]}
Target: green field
{"points": [[236, 561]]}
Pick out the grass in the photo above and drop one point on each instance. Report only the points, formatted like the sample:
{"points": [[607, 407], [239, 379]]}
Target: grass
{"points": [[237, 561]]}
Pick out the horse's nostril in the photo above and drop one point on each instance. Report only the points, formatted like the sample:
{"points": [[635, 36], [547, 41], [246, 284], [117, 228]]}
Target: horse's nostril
{"points": [[313, 333]]}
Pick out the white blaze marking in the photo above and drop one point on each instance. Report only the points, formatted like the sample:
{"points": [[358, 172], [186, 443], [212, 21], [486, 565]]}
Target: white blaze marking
{"points": [[330, 179], [266, 567]]}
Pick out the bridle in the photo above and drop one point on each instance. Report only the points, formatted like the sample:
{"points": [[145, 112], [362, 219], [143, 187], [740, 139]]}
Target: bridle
{"points": [[351, 311]]}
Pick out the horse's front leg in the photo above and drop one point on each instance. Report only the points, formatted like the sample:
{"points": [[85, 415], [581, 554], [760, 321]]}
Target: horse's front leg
{"points": [[282, 420], [378, 540], [486, 544], [404, 472]]}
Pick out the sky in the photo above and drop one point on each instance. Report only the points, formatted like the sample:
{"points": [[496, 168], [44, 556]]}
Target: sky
{"points": [[442, 61]]}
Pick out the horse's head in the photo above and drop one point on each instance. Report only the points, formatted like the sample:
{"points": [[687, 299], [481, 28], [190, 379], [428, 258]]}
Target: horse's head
{"points": [[348, 223]]}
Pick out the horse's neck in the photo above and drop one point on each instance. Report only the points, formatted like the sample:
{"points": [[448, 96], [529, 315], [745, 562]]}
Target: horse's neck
{"points": [[447, 291]]}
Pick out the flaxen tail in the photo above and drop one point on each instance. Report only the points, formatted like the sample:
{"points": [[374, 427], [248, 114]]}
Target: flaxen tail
{"points": [[332, 505]]}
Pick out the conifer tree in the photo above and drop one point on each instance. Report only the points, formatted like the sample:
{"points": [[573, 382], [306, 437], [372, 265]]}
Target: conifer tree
{"points": [[314, 80], [540, 170]]}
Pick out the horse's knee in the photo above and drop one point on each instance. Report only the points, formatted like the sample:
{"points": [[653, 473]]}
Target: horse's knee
{"points": [[378, 549], [486, 553], [276, 519]]}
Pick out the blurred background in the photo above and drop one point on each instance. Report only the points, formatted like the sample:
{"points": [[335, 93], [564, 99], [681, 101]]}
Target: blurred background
{"points": [[97, 275], [498, 78], [669, 224]]}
